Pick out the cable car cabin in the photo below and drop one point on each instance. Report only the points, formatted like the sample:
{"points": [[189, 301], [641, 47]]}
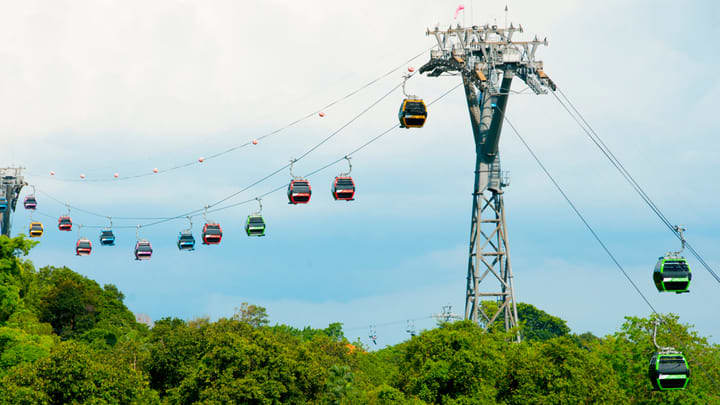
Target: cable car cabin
{"points": [[186, 241], [413, 113], [107, 237], [3, 204], [36, 229], [255, 225], [343, 188], [211, 234], [65, 223], [83, 247], [672, 274], [143, 250], [299, 191], [668, 371], [30, 202]]}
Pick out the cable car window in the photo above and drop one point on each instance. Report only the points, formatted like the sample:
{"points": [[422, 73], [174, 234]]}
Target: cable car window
{"points": [[301, 187]]}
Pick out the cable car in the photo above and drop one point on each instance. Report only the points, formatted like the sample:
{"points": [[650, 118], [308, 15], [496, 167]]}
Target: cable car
{"points": [[299, 191], [3, 203], [36, 229], [343, 188], [83, 247], [668, 371], [143, 250], [211, 233], [65, 223], [107, 237], [413, 113], [672, 274], [30, 202], [186, 241], [255, 225]]}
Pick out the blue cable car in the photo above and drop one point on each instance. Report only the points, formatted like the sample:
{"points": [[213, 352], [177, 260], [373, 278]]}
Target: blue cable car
{"points": [[3, 204], [186, 240], [107, 237]]}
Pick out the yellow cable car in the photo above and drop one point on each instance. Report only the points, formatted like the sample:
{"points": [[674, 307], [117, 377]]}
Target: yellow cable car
{"points": [[413, 113], [36, 229]]}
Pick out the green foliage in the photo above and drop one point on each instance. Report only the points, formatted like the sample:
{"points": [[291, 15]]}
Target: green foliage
{"points": [[251, 314], [333, 331], [65, 339], [74, 305], [75, 374], [456, 360]]}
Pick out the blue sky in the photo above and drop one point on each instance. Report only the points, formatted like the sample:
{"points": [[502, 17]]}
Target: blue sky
{"points": [[98, 88]]}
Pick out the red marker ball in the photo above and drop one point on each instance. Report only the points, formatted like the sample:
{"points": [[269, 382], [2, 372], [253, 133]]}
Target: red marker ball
{"points": [[255, 141], [155, 170], [322, 114], [411, 69], [52, 173], [202, 159], [116, 175], [82, 176]]}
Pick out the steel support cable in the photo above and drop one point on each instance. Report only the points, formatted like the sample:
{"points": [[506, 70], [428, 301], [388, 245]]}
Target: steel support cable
{"points": [[274, 132], [334, 162], [579, 214], [354, 151], [313, 148], [390, 323], [94, 213], [595, 138], [192, 213]]}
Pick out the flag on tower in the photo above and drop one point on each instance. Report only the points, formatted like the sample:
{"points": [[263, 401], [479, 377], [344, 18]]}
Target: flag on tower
{"points": [[459, 9]]}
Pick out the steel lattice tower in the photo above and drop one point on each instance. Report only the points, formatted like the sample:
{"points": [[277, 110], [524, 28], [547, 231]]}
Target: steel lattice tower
{"points": [[488, 59], [11, 182]]}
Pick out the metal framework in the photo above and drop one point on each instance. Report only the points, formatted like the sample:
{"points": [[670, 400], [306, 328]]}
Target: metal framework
{"points": [[488, 59], [11, 182]]}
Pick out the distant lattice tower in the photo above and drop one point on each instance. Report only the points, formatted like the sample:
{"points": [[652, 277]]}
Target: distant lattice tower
{"points": [[11, 182], [487, 59]]}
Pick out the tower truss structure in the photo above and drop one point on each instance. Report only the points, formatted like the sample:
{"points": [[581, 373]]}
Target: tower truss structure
{"points": [[11, 182], [487, 59]]}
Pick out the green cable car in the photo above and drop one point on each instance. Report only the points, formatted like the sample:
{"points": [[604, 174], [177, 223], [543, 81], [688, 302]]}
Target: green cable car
{"points": [[669, 371], [672, 274], [255, 225]]}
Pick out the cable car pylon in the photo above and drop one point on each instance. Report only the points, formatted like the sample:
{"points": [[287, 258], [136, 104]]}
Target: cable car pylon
{"points": [[11, 182], [488, 59]]}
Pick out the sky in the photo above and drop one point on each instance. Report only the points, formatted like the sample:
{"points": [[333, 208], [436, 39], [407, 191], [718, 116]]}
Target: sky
{"points": [[103, 87]]}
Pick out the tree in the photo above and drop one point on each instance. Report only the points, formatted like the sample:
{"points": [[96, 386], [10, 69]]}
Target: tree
{"points": [[253, 315], [557, 371], [74, 373], [456, 361]]}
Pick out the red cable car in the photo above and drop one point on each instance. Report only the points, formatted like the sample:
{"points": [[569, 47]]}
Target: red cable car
{"points": [[299, 191], [65, 223], [211, 233], [343, 188], [143, 250], [83, 247]]}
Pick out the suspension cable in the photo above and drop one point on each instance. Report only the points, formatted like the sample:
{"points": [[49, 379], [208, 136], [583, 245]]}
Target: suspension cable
{"points": [[274, 132], [306, 153], [597, 140], [354, 151], [577, 212]]}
